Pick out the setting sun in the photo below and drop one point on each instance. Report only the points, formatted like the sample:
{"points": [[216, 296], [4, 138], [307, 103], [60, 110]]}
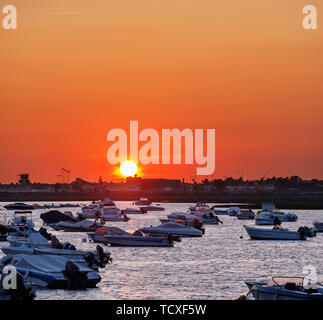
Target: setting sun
{"points": [[128, 168]]}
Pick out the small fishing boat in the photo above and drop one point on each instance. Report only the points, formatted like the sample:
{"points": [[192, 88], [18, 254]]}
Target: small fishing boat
{"points": [[268, 214], [94, 259], [285, 288], [19, 206], [55, 272], [80, 226], [172, 228], [279, 233], [22, 224], [91, 211], [118, 237], [245, 214], [318, 226]]}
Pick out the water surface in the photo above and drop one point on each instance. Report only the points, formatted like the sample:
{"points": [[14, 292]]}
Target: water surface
{"points": [[212, 267]]}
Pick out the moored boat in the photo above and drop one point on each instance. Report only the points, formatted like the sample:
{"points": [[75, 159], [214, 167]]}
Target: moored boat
{"points": [[80, 226], [172, 228], [55, 272], [268, 214], [118, 237], [278, 233], [285, 288], [245, 214]]}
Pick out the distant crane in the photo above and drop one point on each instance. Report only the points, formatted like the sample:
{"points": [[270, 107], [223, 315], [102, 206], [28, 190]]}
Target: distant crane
{"points": [[65, 175]]}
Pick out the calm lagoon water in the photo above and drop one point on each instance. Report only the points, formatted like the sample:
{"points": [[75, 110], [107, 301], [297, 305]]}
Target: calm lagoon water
{"points": [[212, 267]]}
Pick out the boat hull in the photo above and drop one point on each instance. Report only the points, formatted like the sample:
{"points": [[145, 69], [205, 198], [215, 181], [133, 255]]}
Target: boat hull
{"points": [[140, 241], [268, 234], [261, 292]]}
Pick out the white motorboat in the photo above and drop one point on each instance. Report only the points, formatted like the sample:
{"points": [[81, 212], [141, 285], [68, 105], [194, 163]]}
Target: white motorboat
{"points": [[91, 211], [279, 233], [80, 226], [172, 228], [245, 214], [318, 226], [184, 218], [118, 237], [285, 288], [268, 214], [22, 224], [110, 212], [54, 272], [94, 259], [35, 239]]}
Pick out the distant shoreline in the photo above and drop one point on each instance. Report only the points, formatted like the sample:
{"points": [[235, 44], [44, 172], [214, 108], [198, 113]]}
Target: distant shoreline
{"points": [[253, 201]]}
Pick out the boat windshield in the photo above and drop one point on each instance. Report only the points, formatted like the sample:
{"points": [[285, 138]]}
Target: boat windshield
{"points": [[281, 281]]}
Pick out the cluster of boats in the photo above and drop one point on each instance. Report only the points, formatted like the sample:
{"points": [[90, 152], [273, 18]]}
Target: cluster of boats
{"points": [[108, 211], [41, 260]]}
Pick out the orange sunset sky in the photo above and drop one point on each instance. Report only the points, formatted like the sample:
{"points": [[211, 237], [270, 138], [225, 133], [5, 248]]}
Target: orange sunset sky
{"points": [[76, 69]]}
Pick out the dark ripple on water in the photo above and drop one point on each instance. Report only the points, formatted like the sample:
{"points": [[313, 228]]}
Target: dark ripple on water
{"points": [[212, 267]]}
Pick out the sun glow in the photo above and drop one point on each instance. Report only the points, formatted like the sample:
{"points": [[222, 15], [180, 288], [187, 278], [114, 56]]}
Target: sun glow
{"points": [[128, 168]]}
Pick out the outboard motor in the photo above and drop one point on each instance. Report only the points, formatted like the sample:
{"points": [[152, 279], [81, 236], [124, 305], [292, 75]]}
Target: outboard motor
{"points": [[77, 279], [302, 233], [173, 238], [92, 262], [55, 243], [306, 232], [45, 234], [103, 257]]}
